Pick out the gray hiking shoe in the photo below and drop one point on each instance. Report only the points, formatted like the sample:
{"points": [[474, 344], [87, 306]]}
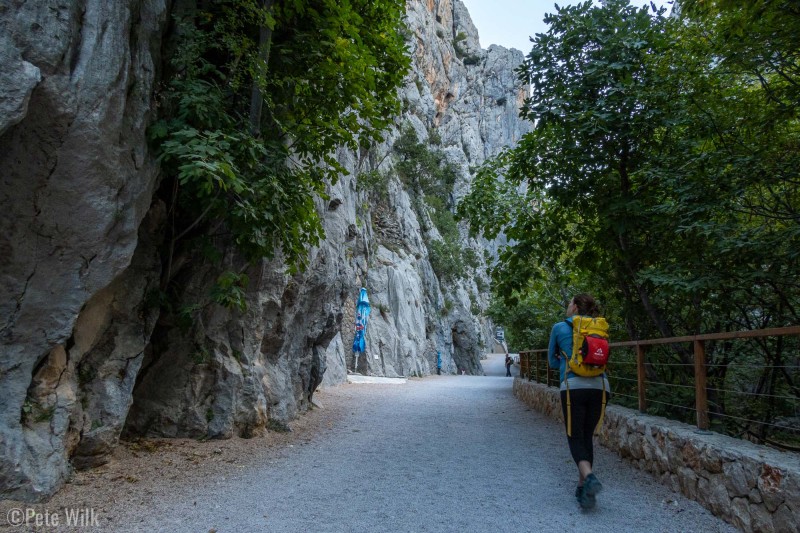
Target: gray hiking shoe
{"points": [[592, 485], [585, 500]]}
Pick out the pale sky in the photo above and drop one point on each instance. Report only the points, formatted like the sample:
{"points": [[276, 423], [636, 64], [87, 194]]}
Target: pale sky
{"points": [[509, 23]]}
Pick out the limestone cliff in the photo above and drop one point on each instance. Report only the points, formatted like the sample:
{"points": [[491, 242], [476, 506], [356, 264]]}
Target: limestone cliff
{"points": [[76, 183], [87, 355]]}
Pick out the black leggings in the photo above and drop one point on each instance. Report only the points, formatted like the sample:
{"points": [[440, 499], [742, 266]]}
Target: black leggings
{"points": [[586, 406]]}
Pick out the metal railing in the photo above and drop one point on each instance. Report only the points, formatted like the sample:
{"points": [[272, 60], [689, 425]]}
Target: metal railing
{"points": [[653, 378]]}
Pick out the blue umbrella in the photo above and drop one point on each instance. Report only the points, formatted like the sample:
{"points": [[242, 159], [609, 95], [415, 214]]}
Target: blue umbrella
{"points": [[362, 314]]}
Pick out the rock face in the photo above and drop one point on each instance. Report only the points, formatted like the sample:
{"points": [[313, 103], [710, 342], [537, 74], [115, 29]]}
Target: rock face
{"points": [[231, 373], [76, 183], [85, 354]]}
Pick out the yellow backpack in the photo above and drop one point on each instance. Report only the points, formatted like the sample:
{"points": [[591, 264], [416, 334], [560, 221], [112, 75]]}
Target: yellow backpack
{"points": [[589, 346], [589, 357]]}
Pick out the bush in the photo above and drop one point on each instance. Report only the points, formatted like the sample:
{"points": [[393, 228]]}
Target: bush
{"points": [[375, 183]]}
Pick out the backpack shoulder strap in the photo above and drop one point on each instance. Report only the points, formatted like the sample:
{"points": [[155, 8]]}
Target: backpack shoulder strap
{"points": [[569, 324]]}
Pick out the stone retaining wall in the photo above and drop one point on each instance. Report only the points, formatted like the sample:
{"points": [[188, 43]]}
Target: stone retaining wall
{"points": [[753, 487]]}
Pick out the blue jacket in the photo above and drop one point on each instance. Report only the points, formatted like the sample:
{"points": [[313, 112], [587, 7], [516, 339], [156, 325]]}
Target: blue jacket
{"points": [[560, 344]]}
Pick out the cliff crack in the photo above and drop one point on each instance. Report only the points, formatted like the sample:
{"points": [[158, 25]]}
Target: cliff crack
{"points": [[5, 330]]}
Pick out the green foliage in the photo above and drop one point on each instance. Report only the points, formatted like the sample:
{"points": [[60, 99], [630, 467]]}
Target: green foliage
{"points": [[229, 291], [755, 38], [445, 258], [471, 258], [591, 104], [662, 175], [376, 183], [186, 316], [245, 182], [474, 306], [446, 308], [528, 315], [336, 69], [481, 285], [34, 412], [464, 55], [423, 169], [45, 414], [201, 355], [492, 202], [156, 299], [430, 177], [443, 219], [329, 80]]}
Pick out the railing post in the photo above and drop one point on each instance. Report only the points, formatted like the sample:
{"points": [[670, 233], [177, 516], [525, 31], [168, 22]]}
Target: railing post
{"points": [[524, 365], [528, 363], [640, 378], [537, 368], [700, 391], [528, 374]]}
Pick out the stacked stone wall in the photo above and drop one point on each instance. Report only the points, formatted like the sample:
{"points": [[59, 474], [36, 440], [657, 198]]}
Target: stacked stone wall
{"points": [[753, 487]]}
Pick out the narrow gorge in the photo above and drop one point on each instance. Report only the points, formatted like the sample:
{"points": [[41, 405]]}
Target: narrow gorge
{"points": [[89, 355]]}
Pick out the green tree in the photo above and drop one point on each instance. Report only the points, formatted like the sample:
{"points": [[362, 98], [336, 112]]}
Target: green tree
{"points": [[591, 103], [662, 172], [259, 95]]}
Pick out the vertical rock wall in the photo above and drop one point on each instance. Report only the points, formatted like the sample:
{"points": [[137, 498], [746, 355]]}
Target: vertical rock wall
{"points": [[75, 185], [470, 98], [85, 355]]}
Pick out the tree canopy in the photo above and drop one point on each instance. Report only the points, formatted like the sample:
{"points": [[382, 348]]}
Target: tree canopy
{"points": [[258, 96], [661, 173]]}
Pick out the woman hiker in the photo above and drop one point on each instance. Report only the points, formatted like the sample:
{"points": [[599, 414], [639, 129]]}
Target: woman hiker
{"points": [[586, 399]]}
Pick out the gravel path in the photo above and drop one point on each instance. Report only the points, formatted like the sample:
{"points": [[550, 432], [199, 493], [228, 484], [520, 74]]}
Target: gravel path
{"points": [[449, 453]]}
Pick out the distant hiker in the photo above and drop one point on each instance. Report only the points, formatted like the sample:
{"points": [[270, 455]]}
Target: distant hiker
{"points": [[584, 386], [509, 362], [439, 363]]}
